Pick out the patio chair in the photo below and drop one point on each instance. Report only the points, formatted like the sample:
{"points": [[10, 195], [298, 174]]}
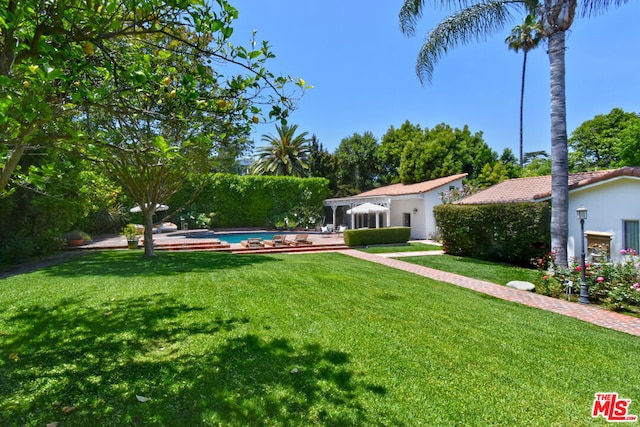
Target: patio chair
{"points": [[342, 228], [301, 240], [277, 240], [253, 243]]}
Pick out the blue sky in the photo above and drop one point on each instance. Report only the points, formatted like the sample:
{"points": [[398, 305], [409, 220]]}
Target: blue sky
{"points": [[363, 72]]}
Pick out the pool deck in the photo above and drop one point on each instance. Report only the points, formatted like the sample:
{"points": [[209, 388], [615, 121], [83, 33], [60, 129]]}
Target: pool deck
{"points": [[179, 241]]}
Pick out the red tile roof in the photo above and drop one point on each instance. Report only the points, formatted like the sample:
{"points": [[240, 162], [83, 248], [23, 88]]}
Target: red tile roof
{"points": [[539, 187], [404, 189]]}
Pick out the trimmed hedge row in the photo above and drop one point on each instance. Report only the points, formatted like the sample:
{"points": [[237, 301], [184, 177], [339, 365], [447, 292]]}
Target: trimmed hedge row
{"points": [[254, 201], [514, 233], [377, 236]]}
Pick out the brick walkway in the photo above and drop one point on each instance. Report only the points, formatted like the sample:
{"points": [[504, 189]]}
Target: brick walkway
{"points": [[592, 314]]}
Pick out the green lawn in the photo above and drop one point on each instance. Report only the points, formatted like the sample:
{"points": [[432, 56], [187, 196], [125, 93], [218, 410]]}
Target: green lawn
{"points": [[409, 247], [478, 269], [315, 339]]}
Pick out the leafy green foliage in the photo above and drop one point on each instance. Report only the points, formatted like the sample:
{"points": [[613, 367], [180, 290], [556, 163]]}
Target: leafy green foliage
{"points": [[391, 149], [244, 201], [606, 141], [357, 163], [514, 233], [286, 154], [615, 285], [445, 151], [70, 195], [323, 164], [377, 236]]}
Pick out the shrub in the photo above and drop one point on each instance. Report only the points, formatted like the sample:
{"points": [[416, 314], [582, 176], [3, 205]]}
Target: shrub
{"points": [[513, 233], [616, 285], [377, 236], [255, 201]]}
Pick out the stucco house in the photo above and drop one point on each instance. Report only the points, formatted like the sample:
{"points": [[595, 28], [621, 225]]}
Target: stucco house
{"points": [[408, 205], [611, 197]]}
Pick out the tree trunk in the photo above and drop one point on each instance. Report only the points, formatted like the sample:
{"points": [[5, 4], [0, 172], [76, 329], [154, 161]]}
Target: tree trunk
{"points": [[524, 71], [13, 159], [559, 155], [148, 231]]}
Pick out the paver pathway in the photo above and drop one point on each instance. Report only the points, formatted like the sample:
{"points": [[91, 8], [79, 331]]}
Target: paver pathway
{"points": [[592, 314]]}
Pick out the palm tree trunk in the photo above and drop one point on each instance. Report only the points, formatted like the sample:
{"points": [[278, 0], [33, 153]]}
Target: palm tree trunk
{"points": [[524, 71], [559, 154]]}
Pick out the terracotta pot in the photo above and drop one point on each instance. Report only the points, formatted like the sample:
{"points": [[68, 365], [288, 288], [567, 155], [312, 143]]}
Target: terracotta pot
{"points": [[76, 242]]}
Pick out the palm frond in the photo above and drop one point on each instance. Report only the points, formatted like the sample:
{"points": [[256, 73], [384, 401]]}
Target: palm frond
{"points": [[410, 13], [473, 23], [590, 8]]}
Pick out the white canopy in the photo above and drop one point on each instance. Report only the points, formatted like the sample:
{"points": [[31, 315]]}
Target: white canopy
{"points": [[367, 208], [159, 208]]}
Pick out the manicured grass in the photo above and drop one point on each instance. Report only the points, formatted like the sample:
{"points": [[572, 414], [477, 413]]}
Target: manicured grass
{"points": [[409, 247], [316, 339], [478, 269]]}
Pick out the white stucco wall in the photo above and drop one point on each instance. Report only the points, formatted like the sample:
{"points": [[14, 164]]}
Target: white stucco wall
{"points": [[422, 221], [608, 205]]}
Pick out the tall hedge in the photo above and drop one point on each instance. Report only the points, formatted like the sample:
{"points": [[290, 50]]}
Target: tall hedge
{"points": [[254, 201], [514, 233]]}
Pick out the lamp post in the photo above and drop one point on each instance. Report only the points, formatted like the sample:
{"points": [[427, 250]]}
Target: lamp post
{"points": [[584, 292]]}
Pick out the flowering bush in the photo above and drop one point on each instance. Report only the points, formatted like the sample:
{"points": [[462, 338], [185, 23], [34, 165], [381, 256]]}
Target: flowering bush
{"points": [[616, 285]]}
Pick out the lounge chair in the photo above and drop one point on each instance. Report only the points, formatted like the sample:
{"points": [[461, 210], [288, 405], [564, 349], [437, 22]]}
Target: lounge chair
{"points": [[253, 243], [301, 240], [327, 228], [278, 240], [342, 228]]}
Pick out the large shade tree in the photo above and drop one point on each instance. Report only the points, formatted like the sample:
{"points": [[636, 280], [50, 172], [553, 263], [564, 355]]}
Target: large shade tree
{"points": [[444, 151], [357, 158], [474, 21], [602, 142], [60, 57]]}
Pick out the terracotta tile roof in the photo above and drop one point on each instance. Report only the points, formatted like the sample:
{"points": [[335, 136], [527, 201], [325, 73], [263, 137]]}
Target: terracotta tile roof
{"points": [[404, 189], [539, 187]]}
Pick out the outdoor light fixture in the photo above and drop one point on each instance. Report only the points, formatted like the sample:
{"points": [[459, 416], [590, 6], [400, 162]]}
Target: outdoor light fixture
{"points": [[584, 293], [415, 210]]}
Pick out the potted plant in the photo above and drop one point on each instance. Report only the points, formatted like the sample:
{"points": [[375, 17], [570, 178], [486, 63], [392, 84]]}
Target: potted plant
{"points": [[76, 238], [130, 231]]}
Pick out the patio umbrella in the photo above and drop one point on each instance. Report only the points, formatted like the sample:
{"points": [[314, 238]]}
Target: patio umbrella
{"points": [[159, 208], [367, 208]]}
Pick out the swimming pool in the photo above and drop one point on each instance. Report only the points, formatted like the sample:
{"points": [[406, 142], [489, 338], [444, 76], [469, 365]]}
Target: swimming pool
{"points": [[237, 237]]}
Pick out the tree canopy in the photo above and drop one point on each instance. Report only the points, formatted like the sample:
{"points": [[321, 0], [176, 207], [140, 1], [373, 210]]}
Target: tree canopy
{"points": [[357, 162], [285, 154], [61, 57], [444, 151], [606, 141]]}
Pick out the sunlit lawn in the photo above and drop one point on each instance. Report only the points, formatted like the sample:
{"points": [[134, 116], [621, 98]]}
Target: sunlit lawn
{"points": [[478, 269], [409, 247], [319, 339]]}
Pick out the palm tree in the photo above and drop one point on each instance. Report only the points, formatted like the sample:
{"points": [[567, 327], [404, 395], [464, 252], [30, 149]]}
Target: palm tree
{"points": [[481, 18], [287, 154], [525, 36]]}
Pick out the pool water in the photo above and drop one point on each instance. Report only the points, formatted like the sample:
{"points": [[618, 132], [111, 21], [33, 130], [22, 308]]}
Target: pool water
{"points": [[238, 237]]}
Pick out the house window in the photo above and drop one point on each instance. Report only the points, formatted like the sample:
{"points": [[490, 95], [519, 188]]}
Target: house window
{"points": [[631, 234], [406, 219]]}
